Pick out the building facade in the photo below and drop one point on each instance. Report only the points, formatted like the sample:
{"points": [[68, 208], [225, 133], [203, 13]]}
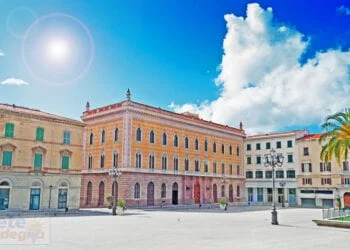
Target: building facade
{"points": [[40, 159], [321, 184], [165, 157], [259, 178]]}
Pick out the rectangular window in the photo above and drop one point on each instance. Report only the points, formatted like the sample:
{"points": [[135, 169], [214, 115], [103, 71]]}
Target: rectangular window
{"points": [[291, 174], [7, 158], [345, 165], [39, 134], [38, 161], [249, 174], [260, 192], [249, 147], [268, 174], [249, 160], [278, 144], [290, 158], [290, 144], [231, 169], [306, 151], [65, 162], [259, 174], [346, 181], [258, 147], [279, 174], [268, 145], [258, 160], [9, 130], [307, 181], [66, 137], [306, 167]]}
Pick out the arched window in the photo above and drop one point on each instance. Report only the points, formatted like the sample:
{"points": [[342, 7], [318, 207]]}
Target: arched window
{"points": [[138, 161], [230, 149], [137, 191], [90, 161], [196, 165], [4, 184], [231, 169], [206, 146], [101, 193], [238, 191], [237, 151], [223, 191], [196, 144], [223, 168], [115, 159], [176, 164], [116, 134], [103, 136], [138, 134], [206, 166], [214, 167], [214, 147], [151, 161], [223, 149], [164, 139], [88, 193], [151, 137], [238, 170], [91, 138], [164, 162], [186, 142], [163, 191], [102, 160], [176, 141], [187, 164]]}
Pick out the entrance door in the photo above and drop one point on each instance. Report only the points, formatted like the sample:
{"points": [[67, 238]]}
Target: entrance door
{"points": [[175, 194], [308, 202], [230, 193], [150, 194], [327, 203], [62, 197], [34, 199], [280, 195], [347, 200], [197, 193], [215, 193], [292, 199], [4, 198]]}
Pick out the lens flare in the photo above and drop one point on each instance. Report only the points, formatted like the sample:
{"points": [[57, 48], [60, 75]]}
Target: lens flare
{"points": [[58, 50]]}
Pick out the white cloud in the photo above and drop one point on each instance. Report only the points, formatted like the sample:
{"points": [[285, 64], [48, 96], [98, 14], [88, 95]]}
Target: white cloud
{"points": [[262, 82], [14, 81], [1, 53], [344, 10]]}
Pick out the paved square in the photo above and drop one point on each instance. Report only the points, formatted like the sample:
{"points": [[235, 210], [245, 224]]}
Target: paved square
{"points": [[196, 229]]}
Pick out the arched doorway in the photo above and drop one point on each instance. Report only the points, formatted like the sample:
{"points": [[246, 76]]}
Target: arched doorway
{"points": [[35, 193], [347, 200], [101, 193], [150, 194], [175, 194], [89, 194], [4, 195], [230, 193], [215, 193], [197, 193]]}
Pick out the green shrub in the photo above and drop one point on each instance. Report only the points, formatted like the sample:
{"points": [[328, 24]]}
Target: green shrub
{"points": [[122, 203], [110, 199], [223, 201]]}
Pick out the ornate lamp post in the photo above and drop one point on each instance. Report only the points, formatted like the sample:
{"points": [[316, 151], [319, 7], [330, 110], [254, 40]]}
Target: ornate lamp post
{"points": [[50, 196], [273, 159], [116, 173]]}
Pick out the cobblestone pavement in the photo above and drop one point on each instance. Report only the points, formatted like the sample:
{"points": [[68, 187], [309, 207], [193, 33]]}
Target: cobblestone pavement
{"points": [[238, 228]]}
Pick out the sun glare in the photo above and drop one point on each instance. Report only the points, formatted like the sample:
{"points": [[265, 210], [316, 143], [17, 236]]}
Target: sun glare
{"points": [[58, 50]]}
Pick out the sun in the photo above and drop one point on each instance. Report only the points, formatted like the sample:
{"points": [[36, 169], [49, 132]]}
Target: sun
{"points": [[58, 50]]}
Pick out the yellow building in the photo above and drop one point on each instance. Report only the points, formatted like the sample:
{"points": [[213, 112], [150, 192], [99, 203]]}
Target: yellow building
{"points": [[165, 157], [320, 184], [40, 159]]}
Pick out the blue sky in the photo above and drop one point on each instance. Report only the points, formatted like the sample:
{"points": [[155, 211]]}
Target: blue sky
{"points": [[164, 51]]}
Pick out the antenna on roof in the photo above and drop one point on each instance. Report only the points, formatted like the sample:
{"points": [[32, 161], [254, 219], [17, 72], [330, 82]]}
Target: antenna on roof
{"points": [[128, 95], [241, 126]]}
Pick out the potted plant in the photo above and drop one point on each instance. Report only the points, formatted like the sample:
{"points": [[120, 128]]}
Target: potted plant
{"points": [[110, 201], [223, 202], [121, 206], [286, 203]]}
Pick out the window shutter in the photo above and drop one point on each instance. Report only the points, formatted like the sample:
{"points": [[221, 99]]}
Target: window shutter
{"points": [[7, 158], [329, 166], [302, 167], [342, 180], [9, 128], [322, 181], [310, 167], [65, 162], [303, 181], [321, 167], [310, 181], [330, 181], [38, 159]]}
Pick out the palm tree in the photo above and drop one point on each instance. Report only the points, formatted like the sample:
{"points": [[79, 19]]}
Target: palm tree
{"points": [[337, 136]]}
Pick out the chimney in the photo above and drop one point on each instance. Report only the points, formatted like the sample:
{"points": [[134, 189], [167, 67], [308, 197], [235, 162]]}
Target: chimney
{"points": [[87, 106], [241, 126]]}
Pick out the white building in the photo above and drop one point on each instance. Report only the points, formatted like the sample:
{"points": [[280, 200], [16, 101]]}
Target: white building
{"points": [[259, 177]]}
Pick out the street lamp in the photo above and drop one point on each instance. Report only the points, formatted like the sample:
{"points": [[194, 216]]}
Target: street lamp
{"points": [[116, 173], [50, 196], [273, 159]]}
